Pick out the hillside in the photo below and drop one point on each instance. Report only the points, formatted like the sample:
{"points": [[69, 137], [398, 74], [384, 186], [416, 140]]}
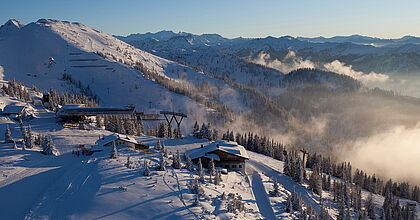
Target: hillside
{"points": [[68, 186], [25, 56], [316, 109]]}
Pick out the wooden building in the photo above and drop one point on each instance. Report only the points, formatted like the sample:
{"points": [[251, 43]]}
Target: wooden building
{"points": [[15, 110], [225, 154], [122, 140]]}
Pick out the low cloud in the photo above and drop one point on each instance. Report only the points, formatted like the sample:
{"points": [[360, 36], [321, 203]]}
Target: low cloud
{"points": [[292, 62], [393, 154], [340, 68], [289, 63]]}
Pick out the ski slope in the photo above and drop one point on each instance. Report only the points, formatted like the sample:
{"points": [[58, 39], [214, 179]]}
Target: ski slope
{"points": [[35, 186], [26, 53]]}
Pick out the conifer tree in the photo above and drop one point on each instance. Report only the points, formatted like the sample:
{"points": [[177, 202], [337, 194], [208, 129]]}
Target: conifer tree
{"points": [[146, 171], [196, 128], [176, 161], [8, 135], [129, 163], [114, 152], [200, 171], [298, 176], [286, 167], [211, 167], [189, 164], [276, 190], [162, 164], [49, 147], [315, 181], [370, 207], [161, 131], [195, 187], [218, 177]]}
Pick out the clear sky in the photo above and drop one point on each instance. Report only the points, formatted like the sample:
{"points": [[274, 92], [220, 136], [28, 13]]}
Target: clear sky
{"points": [[230, 18]]}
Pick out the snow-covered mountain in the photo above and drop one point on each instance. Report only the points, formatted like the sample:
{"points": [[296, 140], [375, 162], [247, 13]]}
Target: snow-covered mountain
{"points": [[365, 54], [209, 85], [364, 40], [10, 26], [204, 76], [41, 52], [178, 40]]}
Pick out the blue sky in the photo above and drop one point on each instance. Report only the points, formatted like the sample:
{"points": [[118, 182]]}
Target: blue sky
{"points": [[230, 18]]}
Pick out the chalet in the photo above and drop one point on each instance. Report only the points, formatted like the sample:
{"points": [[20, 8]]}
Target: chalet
{"points": [[225, 154], [14, 110], [122, 140]]}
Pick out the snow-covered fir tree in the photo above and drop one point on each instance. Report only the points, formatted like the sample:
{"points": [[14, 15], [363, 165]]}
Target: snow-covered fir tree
{"points": [[200, 171], [49, 147], [161, 164], [146, 171], [217, 177], [176, 161], [286, 167], [129, 164], [162, 131], [188, 163], [370, 207], [28, 138], [195, 187], [211, 167], [8, 135], [315, 181], [276, 189], [234, 203], [298, 175], [114, 152], [196, 128]]}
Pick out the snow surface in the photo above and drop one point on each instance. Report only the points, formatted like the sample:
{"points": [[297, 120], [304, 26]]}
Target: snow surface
{"points": [[25, 55], [35, 186]]}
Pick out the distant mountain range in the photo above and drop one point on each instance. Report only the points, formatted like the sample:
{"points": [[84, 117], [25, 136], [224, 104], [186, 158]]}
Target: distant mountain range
{"points": [[365, 40], [365, 54]]}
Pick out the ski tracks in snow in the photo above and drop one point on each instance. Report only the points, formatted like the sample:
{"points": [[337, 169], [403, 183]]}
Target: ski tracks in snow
{"points": [[178, 191], [308, 197], [261, 196], [69, 189]]}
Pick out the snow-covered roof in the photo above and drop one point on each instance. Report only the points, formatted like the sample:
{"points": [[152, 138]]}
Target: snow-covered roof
{"points": [[13, 109], [212, 156], [113, 137], [229, 147]]}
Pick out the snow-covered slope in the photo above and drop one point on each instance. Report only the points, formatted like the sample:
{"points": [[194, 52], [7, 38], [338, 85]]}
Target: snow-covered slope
{"points": [[36, 186], [10, 26], [40, 52], [67, 186]]}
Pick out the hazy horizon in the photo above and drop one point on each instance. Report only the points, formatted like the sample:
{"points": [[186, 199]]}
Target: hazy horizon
{"points": [[181, 31], [231, 19]]}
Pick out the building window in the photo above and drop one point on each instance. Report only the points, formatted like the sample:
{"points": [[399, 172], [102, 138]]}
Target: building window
{"points": [[233, 166], [240, 166], [226, 166]]}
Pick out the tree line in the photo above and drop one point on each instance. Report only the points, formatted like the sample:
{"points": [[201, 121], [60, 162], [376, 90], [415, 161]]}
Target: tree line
{"points": [[323, 174]]}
